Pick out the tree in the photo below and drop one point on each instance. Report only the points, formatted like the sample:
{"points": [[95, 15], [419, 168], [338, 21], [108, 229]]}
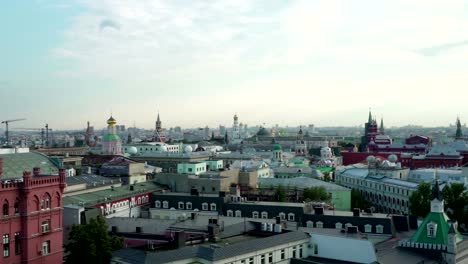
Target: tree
{"points": [[326, 176], [91, 243], [357, 201], [420, 200], [456, 200], [318, 193], [280, 194]]}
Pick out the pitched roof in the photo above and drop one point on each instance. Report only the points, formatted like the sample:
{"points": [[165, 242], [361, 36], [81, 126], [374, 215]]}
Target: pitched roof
{"points": [[442, 230]]}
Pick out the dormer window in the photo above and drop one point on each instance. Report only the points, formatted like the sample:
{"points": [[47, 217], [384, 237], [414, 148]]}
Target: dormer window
{"points": [[432, 229]]}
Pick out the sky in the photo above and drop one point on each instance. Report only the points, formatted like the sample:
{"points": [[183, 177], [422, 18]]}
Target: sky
{"points": [[322, 62]]}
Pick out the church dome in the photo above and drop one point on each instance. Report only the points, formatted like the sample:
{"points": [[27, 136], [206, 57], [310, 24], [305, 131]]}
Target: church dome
{"points": [[111, 121], [277, 147], [132, 150], [188, 149], [111, 137]]}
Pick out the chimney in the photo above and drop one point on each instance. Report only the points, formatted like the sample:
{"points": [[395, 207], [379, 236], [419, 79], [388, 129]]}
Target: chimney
{"points": [[36, 171]]}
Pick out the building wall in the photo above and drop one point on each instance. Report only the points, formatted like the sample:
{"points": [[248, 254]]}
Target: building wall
{"points": [[27, 209], [191, 168]]}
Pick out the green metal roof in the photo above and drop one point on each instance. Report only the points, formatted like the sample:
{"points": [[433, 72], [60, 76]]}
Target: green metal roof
{"points": [[15, 164], [117, 193], [110, 137], [277, 147], [441, 219], [325, 169]]}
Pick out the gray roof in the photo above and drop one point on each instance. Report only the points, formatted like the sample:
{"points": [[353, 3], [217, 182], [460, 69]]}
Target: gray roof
{"points": [[215, 254], [299, 183], [15, 164]]}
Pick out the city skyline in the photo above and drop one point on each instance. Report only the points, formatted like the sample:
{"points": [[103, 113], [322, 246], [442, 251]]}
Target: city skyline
{"points": [[272, 62]]}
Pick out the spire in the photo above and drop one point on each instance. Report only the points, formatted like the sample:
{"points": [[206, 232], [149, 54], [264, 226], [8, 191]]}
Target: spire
{"points": [[370, 116], [459, 133], [158, 120], [436, 194], [382, 129]]}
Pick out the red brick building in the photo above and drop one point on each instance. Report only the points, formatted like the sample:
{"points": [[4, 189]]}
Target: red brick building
{"points": [[31, 218]]}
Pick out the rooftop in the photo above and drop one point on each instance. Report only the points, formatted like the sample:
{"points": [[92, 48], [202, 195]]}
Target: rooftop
{"points": [[15, 164], [111, 194], [299, 183]]}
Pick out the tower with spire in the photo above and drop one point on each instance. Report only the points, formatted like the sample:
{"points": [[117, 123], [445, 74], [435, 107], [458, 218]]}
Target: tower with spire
{"points": [[458, 133], [370, 132], [159, 132], [300, 148], [381, 128], [236, 133]]}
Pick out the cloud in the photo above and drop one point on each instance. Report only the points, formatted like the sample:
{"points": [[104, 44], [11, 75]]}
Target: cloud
{"points": [[107, 23], [440, 49]]}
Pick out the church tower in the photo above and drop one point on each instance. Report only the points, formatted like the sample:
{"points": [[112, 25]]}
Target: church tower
{"points": [[300, 148], [458, 133], [111, 142], [159, 132], [381, 128], [235, 129]]}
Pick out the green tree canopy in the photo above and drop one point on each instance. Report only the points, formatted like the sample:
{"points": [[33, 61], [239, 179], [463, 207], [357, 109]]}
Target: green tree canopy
{"points": [[91, 243], [420, 204], [456, 202], [357, 201], [316, 194], [280, 194]]}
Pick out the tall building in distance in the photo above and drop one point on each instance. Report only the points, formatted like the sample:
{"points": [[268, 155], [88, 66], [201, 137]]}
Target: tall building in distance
{"points": [[159, 132], [235, 133], [111, 142]]}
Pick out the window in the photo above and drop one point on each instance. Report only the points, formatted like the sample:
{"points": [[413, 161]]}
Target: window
{"points": [[45, 226], [315, 249], [230, 213], [251, 260], [6, 245], [282, 216], [348, 225], [181, 205], [212, 207], [165, 204], [310, 224], [264, 215], [205, 206], [47, 203], [5, 209], [338, 225], [283, 254], [290, 217], [293, 252], [238, 213], [379, 229], [17, 207], [188, 206], [243, 261], [262, 259], [157, 204], [46, 248], [17, 243], [319, 224], [254, 214], [270, 257], [368, 228], [431, 229], [300, 251]]}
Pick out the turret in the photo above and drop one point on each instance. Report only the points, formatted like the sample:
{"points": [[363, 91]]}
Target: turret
{"points": [[437, 200], [458, 133]]}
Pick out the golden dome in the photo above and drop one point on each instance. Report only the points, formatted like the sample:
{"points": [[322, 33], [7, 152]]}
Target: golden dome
{"points": [[111, 121]]}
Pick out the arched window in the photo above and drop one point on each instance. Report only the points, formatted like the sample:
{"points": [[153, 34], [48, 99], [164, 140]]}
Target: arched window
{"points": [[338, 225], [230, 213], [17, 206], [254, 214], [165, 204], [213, 207], [238, 213], [5, 208], [368, 228], [188, 206], [310, 224], [282, 216], [157, 204], [264, 215], [290, 217], [181, 205]]}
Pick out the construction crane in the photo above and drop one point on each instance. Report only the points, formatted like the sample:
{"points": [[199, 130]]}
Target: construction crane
{"points": [[6, 122], [33, 129]]}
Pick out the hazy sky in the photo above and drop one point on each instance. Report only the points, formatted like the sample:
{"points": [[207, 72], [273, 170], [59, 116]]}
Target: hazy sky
{"points": [[199, 62]]}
